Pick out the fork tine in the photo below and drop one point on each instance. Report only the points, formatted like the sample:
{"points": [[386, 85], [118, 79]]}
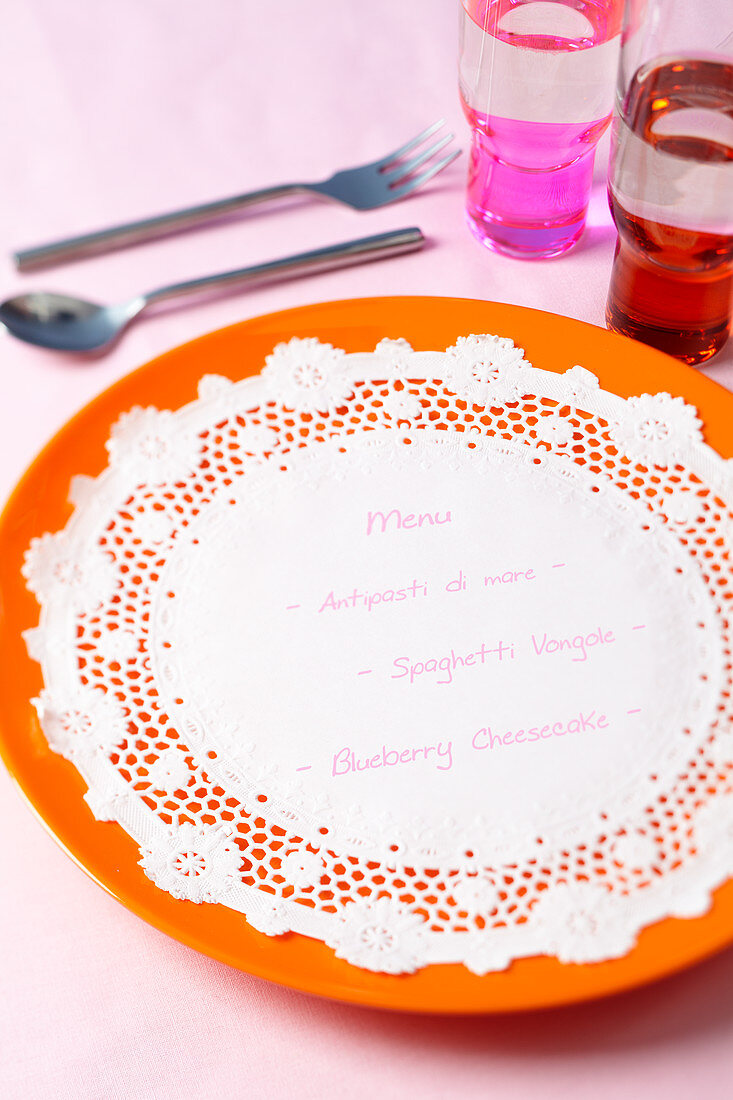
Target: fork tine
{"points": [[402, 171], [418, 181], [391, 157]]}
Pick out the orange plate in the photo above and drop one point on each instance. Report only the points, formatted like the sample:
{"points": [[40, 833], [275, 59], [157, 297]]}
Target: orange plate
{"points": [[53, 787]]}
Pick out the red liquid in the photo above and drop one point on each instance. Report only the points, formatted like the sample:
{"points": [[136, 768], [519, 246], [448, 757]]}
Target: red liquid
{"points": [[672, 201]]}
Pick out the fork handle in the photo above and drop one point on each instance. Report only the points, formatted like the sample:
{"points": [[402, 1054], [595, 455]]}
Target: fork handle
{"points": [[146, 229]]}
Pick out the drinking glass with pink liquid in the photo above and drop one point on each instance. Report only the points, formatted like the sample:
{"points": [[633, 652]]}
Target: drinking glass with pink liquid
{"points": [[537, 81]]}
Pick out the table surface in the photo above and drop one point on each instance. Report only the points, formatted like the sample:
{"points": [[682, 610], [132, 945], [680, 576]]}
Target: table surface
{"points": [[118, 111]]}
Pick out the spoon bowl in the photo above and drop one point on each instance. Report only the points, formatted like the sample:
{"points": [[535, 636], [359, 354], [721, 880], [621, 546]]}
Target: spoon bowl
{"points": [[65, 323]]}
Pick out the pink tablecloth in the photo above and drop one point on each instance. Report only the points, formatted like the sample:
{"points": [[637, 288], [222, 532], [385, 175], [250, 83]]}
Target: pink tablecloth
{"points": [[114, 111]]}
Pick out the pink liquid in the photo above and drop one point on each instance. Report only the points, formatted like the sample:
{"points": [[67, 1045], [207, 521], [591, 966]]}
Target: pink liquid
{"points": [[529, 182], [530, 175]]}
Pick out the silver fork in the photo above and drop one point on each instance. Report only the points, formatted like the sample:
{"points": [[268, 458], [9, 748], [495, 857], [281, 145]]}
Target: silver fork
{"points": [[364, 188]]}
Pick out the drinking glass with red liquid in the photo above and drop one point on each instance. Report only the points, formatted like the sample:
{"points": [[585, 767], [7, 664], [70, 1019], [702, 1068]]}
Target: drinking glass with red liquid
{"points": [[671, 178]]}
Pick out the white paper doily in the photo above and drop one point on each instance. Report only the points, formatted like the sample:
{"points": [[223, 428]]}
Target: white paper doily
{"points": [[422, 654]]}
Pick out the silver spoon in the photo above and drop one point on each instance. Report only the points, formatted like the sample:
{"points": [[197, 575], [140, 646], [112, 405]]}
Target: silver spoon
{"points": [[64, 323]]}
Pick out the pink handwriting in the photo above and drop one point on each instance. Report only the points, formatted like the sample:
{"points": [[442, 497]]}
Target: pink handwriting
{"points": [[579, 643], [486, 738], [346, 760], [377, 522], [510, 576], [369, 600], [446, 665]]}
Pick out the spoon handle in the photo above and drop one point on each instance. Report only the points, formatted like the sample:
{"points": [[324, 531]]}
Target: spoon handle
{"points": [[321, 259]]}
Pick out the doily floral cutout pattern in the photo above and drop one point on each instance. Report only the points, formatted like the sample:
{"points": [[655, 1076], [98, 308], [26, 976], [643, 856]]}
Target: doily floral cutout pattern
{"points": [[50, 567], [306, 374], [489, 368], [656, 427], [85, 723], [152, 443], [193, 864], [379, 935], [199, 786]]}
